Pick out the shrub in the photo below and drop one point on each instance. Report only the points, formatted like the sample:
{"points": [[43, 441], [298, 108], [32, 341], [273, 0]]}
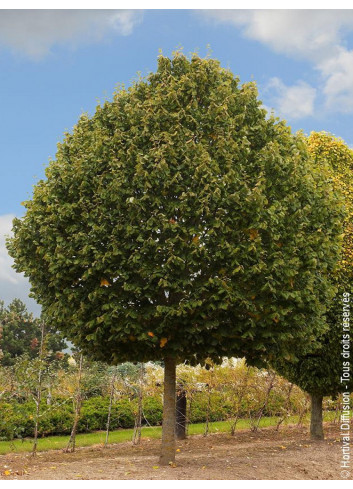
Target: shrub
{"points": [[153, 410]]}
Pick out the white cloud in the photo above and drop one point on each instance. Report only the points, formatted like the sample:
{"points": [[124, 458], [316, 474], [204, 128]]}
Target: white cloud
{"points": [[12, 285], [34, 32], [317, 36], [304, 33], [338, 88], [293, 102], [6, 272]]}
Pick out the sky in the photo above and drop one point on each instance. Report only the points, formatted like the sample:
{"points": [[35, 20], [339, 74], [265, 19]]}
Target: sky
{"points": [[57, 64]]}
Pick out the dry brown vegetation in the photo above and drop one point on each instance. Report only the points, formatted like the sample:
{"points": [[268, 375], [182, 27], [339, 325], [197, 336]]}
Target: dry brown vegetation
{"points": [[267, 454]]}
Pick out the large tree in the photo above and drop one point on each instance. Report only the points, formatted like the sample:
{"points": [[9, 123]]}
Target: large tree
{"points": [[321, 371], [179, 222], [20, 333]]}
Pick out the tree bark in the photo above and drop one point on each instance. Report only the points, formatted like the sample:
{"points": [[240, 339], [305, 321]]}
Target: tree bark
{"points": [[316, 428], [272, 376], [180, 426], [111, 397], [72, 440], [168, 428], [207, 424], [287, 407], [136, 437], [39, 391]]}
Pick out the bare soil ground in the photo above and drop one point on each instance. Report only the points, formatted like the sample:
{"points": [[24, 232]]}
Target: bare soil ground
{"points": [[268, 454]]}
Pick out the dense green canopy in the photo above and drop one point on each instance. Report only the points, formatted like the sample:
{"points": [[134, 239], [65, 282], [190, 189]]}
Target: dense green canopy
{"points": [[179, 220], [319, 371], [20, 333]]}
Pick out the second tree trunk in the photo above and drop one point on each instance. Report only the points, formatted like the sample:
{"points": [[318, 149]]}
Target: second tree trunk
{"points": [[316, 429], [180, 427]]}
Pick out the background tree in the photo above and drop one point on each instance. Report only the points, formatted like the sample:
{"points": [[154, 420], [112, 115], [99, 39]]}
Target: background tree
{"points": [[111, 398], [333, 152], [319, 371], [39, 387], [180, 411], [78, 398], [179, 222], [21, 334]]}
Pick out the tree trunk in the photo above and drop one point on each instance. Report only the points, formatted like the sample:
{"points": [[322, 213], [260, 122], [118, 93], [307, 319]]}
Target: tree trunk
{"points": [[287, 407], [72, 440], [188, 414], [136, 437], [260, 413], [169, 408], [207, 424], [39, 391], [111, 397], [316, 429], [242, 391], [180, 427]]}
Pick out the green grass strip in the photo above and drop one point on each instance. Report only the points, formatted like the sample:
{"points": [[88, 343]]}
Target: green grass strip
{"points": [[118, 436]]}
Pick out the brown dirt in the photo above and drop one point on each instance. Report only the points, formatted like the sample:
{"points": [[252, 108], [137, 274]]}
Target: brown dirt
{"points": [[287, 454]]}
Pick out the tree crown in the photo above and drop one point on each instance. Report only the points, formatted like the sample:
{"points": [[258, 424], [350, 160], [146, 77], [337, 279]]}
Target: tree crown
{"points": [[319, 371], [180, 220]]}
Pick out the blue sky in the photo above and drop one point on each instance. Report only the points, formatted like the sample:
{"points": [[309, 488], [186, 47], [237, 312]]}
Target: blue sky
{"points": [[54, 65]]}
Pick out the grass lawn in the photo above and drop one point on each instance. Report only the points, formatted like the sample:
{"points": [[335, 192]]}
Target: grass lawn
{"points": [[87, 439]]}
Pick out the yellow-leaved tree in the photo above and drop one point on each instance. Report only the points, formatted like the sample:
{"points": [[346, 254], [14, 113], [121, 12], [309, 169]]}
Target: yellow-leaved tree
{"points": [[325, 146], [321, 371]]}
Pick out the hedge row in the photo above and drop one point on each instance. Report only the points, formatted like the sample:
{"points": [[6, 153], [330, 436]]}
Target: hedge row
{"points": [[17, 421]]}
